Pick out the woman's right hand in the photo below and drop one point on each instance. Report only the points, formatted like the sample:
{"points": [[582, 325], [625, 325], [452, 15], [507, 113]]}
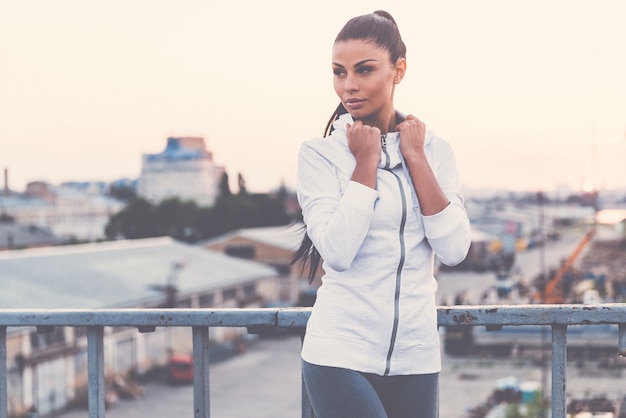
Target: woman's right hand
{"points": [[364, 142]]}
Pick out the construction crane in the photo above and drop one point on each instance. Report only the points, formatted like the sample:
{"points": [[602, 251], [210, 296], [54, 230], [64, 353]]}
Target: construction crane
{"points": [[553, 292]]}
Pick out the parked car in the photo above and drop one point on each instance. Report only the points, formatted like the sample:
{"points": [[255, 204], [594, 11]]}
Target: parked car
{"points": [[180, 369]]}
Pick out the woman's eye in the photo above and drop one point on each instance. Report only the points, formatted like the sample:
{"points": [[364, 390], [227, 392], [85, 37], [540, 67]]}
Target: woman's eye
{"points": [[338, 72], [364, 70]]}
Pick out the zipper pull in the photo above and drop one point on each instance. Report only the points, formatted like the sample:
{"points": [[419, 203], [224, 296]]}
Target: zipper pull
{"points": [[383, 140]]}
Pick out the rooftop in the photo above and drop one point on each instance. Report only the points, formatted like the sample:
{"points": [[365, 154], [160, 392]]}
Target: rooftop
{"points": [[181, 148], [115, 273], [287, 237]]}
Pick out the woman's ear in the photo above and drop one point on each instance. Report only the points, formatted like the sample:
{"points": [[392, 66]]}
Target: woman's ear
{"points": [[400, 69]]}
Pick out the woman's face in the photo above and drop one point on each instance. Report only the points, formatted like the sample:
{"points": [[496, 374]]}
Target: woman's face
{"points": [[364, 79]]}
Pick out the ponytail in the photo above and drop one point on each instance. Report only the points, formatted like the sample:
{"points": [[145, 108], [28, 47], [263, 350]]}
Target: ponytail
{"points": [[307, 252]]}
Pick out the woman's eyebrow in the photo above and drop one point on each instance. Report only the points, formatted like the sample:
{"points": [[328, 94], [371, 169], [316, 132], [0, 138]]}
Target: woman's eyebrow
{"points": [[358, 64]]}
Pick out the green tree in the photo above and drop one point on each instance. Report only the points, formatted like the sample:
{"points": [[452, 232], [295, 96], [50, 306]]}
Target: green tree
{"points": [[224, 188], [136, 220], [122, 192], [185, 221], [242, 185]]}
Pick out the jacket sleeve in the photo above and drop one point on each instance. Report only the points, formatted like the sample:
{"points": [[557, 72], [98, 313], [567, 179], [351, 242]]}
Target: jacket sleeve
{"points": [[337, 220], [448, 232]]}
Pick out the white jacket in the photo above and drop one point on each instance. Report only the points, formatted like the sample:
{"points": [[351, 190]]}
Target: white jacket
{"points": [[375, 310]]}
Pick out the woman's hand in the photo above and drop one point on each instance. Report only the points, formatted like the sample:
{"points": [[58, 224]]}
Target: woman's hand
{"points": [[364, 142], [431, 197], [412, 133]]}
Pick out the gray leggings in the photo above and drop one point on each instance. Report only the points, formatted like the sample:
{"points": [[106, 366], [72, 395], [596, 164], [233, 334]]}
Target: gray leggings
{"points": [[342, 393]]}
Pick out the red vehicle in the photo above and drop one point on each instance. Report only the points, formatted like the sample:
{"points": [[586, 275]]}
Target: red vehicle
{"points": [[180, 369]]}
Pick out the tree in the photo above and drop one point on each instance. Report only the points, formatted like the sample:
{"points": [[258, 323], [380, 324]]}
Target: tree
{"points": [[122, 192], [136, 220], [224, 188], [242, 185], [185, 221]]}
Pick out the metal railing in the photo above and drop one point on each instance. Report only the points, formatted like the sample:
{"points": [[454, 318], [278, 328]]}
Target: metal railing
{"points": [[558, 317]]}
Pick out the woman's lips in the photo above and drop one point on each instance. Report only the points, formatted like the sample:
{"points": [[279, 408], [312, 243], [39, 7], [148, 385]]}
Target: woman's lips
{"points": [[354, 103]]}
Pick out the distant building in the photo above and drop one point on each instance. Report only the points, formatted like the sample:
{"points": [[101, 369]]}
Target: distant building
{"points": [[77, 210], [15, 236], [184, 170], [275, 246]]}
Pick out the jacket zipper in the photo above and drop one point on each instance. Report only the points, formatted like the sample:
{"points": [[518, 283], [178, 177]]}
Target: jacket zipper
{"points": [[383, 143], [396, 307]]}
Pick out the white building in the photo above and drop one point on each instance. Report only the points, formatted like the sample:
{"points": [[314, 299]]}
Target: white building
{"points": [[184, 170], [80, 211]]}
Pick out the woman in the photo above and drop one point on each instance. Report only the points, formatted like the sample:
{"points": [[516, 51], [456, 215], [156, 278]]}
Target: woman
{"points": [[379, 199]]}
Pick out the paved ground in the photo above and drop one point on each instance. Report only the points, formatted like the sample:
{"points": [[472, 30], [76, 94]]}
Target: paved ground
{"points": [[265, 383]]}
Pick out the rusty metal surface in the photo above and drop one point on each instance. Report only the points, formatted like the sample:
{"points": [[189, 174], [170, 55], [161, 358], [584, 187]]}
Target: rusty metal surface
{"points": [[496, 315]]}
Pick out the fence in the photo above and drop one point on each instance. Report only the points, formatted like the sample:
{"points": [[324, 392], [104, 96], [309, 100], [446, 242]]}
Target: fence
{"points": [[558, 317]]}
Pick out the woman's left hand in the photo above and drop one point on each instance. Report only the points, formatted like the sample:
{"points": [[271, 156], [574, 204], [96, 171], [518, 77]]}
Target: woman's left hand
{"points": [[412, 133]]}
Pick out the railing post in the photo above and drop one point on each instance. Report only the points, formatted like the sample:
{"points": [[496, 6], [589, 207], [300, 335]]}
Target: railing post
{"points": [[559, 365], [4, 393], [201, 394], [95, 365], [621, 346]]}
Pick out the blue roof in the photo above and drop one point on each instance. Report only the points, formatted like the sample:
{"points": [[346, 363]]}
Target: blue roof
{"points": [[174, 151]]}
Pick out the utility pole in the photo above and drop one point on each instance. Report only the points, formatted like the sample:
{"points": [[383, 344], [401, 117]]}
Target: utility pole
{"points": [[170, 288]]}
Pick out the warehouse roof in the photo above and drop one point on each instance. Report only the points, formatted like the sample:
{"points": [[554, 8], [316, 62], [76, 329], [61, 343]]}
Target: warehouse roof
{"points": [[115, 273]]}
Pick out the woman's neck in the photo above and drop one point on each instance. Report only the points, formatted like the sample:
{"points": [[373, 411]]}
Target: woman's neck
{"points": [[385, 124]]}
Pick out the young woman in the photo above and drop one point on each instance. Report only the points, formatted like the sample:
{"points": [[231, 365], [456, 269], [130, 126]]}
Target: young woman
{"points": [[380, 199]]}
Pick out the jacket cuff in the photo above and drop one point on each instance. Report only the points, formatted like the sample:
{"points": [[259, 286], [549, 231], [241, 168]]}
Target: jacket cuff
{"points": [[444, 222], [360, 193]]}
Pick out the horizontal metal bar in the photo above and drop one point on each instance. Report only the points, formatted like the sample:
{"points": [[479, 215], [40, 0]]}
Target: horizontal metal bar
{"points": [[501, 315], [610, 313], [143, 318]]}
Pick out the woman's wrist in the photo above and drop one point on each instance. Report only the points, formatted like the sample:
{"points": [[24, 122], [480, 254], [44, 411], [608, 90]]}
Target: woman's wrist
{"points": [[368, 160]]}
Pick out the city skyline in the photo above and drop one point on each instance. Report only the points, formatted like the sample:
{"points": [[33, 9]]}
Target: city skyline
{"points": [[531, 96]]}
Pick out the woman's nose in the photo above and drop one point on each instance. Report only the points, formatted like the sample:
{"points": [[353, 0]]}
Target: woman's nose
{"points": [[351, 83]]}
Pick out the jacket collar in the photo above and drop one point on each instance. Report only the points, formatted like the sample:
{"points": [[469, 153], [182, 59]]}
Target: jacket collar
{"points": [[390, 155]]}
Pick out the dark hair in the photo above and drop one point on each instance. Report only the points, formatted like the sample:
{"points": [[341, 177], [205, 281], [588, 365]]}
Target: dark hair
{"points": [[381, 29]]}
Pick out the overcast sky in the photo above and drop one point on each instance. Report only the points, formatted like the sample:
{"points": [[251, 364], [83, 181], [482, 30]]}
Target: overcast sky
{"points": [[531, 94]]}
